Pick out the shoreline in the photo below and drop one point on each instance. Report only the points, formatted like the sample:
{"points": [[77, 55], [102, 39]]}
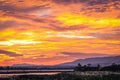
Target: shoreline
{"points": [[64, 76]]}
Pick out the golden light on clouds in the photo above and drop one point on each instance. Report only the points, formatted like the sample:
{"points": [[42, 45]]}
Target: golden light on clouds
{"points": [[71, 20], [18, 42], [42, 31]]}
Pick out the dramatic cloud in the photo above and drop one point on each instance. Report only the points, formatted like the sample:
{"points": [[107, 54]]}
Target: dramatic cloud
{"points": [[56, 31], [12, 8]]}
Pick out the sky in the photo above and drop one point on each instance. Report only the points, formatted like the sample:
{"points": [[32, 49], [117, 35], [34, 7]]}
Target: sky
{"points": [[50, 32]]}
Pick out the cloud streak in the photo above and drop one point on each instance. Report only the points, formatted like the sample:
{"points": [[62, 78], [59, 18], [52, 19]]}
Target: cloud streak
{"points": [[82, 55], [9, 53]]}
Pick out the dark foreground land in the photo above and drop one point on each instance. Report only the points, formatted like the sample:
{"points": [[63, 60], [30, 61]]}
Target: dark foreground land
{"points": [[65, 77]]}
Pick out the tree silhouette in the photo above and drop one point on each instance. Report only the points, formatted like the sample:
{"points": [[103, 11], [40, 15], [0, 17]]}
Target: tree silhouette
{"points": [[113, 67]]}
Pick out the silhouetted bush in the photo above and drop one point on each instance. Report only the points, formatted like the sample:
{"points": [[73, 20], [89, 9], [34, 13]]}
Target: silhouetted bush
{"points": [[114, 67]]}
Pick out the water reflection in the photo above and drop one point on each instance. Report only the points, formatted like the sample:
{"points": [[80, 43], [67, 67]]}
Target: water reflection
{"points": [[10, 73]]}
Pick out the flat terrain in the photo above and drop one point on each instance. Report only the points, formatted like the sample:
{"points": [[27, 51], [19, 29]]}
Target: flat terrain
{"points": [[95, 75]]}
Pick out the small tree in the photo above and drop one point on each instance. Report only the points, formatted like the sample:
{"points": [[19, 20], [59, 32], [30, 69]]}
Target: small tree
{"points": [[78, 68], [89, 65], [98, 67], [79, 65]]}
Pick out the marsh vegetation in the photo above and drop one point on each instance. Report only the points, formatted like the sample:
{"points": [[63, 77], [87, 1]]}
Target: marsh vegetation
{"points": [[64, 77]]}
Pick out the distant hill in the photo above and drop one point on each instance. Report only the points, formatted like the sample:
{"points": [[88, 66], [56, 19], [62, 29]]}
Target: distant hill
{"points": [[23, 65], [28, 65], [103, 61]]}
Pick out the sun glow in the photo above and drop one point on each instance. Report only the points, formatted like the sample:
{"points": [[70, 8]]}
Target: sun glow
{"points": [[19, 42]]}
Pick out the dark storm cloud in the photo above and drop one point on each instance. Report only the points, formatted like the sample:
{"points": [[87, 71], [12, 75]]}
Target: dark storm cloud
{"points": [[90, 2], [61, 1], [10, 24], [6, 24], [13, 9], [80, 55], [28, 17], [92, 5], [101, 5], [96, 9], [97, 2], [9, 53]]}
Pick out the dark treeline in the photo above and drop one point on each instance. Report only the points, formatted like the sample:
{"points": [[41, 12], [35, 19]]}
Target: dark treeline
{"points": [[18, 68], [113, 67], [33, 68]]}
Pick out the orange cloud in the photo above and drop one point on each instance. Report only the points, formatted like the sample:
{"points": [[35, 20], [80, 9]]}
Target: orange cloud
{"points": [[41, 31]]}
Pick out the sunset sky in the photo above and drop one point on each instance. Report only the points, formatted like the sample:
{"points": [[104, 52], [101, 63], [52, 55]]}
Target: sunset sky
{"points": [[49, 32]]}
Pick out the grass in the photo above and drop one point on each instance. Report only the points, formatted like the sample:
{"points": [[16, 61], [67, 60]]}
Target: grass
{"points": [[65, 77]]}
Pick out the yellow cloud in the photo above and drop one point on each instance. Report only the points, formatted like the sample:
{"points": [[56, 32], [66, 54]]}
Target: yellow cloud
{"points": [[4, 19], [73, 19], [19, 42]]}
